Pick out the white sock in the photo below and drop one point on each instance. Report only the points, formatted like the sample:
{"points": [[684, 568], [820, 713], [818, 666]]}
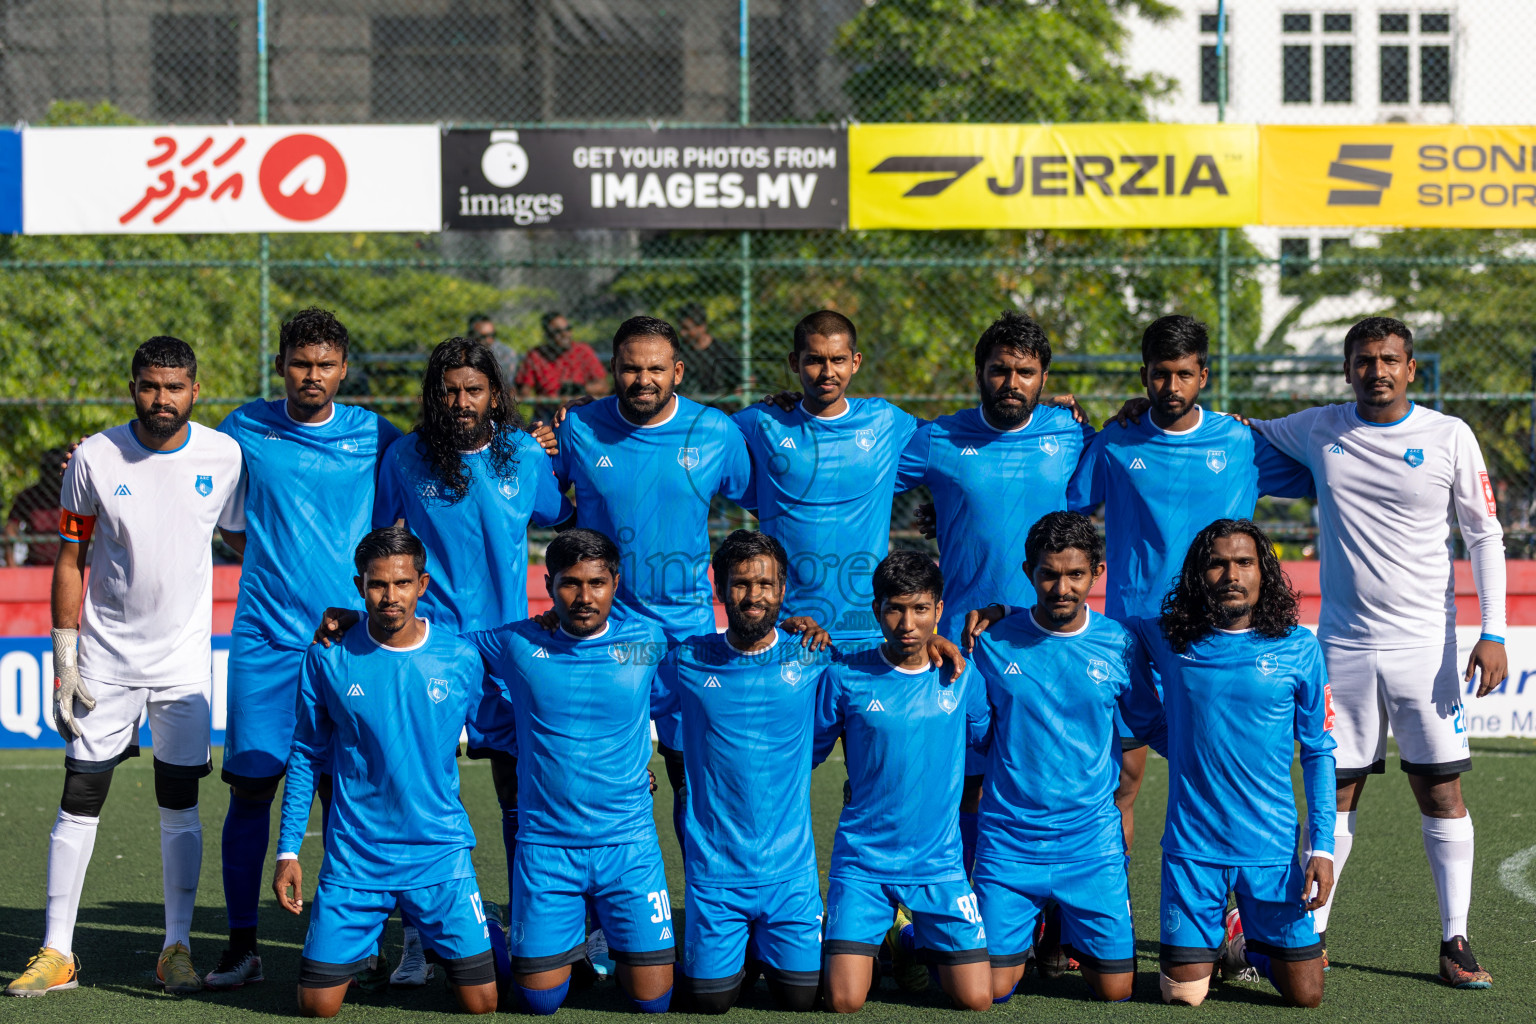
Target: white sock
{"points": [[181, 861], [1343, 842], [1448, 845], [69, 854], [412, 937]]}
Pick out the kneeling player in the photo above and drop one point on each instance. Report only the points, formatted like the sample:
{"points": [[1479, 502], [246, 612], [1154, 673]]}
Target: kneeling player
{"points": [[1242, 684], [748, 701], [905, 727], [1055, 675], [581, 703], [384, 707]]}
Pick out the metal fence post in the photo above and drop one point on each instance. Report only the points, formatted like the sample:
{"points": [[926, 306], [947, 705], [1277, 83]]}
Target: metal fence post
{"points": [[1223, 243], [264, 243], [743, 115]]}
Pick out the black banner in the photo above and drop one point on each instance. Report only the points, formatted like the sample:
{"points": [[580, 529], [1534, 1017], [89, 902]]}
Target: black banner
{"points": [[713, 178]]}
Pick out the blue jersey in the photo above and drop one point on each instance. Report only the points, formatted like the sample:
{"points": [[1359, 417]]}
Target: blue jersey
{"points": [[308, 501], [477, 547], [904, 734], [1054, 760], [989, 487], [385, 723], [1237, 704], [649, 489], [823, 489], [581, 711], [1162, 488], [747, 727]]}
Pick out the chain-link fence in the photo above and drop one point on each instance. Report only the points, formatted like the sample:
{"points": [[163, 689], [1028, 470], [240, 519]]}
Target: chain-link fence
{"points": [[72, 308]]}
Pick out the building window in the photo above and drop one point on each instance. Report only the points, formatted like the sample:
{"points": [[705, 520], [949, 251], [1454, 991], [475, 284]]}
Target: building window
{"points": [[1298, 250], [1402, 34], [195, 74], [1210, 67], [1322, 42], [1297, 73], [1300, 273]]}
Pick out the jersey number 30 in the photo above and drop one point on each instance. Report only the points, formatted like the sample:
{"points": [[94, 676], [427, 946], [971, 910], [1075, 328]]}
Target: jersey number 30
{"points": [[661, 905]]}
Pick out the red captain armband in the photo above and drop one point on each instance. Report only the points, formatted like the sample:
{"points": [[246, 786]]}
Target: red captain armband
{"points": [[76, 528], [1493, 507], [1328, 707]]}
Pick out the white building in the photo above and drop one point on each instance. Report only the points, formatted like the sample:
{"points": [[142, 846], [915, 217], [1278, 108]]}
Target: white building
{"points": [[1299, 62]]}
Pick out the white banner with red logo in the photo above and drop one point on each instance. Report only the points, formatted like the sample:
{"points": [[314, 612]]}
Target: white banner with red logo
{"points": [[232, 178]]}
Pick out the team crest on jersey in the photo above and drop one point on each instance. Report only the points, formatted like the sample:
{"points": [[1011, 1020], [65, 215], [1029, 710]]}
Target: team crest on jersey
{"points": [[948, 699], [1216, 460], [509, 487], [1050, 445], [1172, 919], [347, 445], [865, 439], [619, 652], [688, 458], [790, 673], [1098, 670], [1414, 457], [1267, 664], [437, 689], [204, 485]]}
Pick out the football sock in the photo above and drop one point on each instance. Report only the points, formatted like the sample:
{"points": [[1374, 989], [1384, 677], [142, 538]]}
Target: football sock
{"points": [[1343, 842], [545, 1001], [1261, 963], [244, 857], [181, 857], [1004, 999], [968, 828], [412, 936], [509, 838], [69, 853], [1448, 845], [657, 1005], [499, 947]]}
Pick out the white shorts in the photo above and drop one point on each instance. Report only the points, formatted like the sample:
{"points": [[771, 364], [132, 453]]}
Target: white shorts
{"points": [[180, 719], [1416, 690]]}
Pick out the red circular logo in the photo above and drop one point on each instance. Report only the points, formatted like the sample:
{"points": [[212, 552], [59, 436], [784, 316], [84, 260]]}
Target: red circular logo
{"points": [[302, 177]]}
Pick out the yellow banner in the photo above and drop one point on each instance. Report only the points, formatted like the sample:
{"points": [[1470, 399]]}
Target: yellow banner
{"points": [[931, 176], [1399, 175]]}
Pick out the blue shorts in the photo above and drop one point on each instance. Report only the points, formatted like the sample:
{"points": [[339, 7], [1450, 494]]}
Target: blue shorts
{"points": [[262, 690], [781, 922], [946, 922], [626, 886], [1275, 919], [345, 925], [1095, 900]]}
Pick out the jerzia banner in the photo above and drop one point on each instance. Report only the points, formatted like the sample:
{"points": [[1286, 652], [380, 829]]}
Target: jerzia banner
{"points": [[746, 178]]}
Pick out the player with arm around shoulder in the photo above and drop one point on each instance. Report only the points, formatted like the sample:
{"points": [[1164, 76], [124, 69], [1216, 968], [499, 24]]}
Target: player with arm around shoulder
{"points": [[905, 725], [1387, 471], [747, 698], [581, 700], [383, 708], [1243, 685], [1055, 675]]}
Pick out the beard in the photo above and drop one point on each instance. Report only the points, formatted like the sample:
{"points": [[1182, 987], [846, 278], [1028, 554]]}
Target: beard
{"points": [[1061, 616], [751, 630], [642, 402], [1223, 614], [1008, 417], [468, 433], [159, 427]]}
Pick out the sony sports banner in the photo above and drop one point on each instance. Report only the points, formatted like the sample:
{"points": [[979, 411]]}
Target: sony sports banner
{"points": [[1399, 175], [710, 178], [229, 178], [933, 176]]}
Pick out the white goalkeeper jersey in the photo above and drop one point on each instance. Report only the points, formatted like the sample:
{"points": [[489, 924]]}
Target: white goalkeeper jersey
{"points": [[1387, 496], [148, 611]]}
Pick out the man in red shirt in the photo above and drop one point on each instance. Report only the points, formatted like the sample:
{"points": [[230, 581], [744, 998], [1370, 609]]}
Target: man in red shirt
{"points": [[559, 369]]}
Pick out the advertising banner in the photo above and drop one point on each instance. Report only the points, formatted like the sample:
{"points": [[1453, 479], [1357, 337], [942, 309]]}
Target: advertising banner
{"points": [[713, 178], [937, 176], [230, 178], [1398, 175]]}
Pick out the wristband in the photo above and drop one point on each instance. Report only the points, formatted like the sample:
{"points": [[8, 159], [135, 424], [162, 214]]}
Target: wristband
{"points": [[1490, 636]]}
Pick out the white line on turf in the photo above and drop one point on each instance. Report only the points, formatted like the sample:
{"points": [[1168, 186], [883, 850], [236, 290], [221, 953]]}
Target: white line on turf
{"points": [[1514, 872]]}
